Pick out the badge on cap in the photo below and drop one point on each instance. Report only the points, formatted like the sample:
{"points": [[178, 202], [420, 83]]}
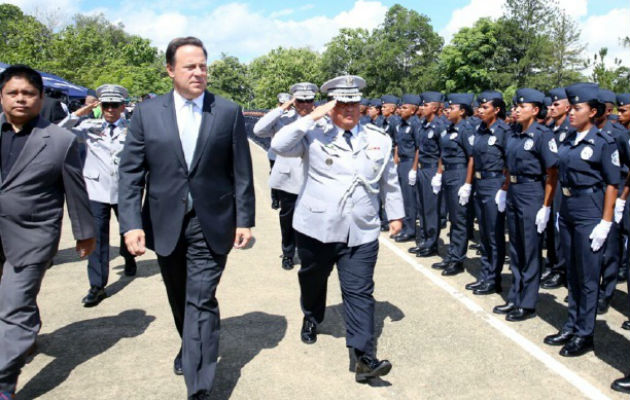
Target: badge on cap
{"points": [[492, 140], [471, 140], [563, 135], [614, 158], [553, 147], [529, 143], [454, 136], [586, 153]]}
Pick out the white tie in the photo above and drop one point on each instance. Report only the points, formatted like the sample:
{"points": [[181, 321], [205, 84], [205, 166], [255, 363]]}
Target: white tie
{"points": [[189, 132]]}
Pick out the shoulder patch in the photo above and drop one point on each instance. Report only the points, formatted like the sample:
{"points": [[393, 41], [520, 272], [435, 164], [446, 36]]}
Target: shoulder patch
{"points": [[614, 158]]}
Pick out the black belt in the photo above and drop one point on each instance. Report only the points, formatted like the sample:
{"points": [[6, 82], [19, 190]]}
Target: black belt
{"points": [[427, 165], [487, 174], [568, 192], [525, 178], [449, 167]]}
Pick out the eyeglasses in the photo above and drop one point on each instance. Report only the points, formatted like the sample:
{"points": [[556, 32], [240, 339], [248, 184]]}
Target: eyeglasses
{"points": [[303, 101], [110, 105]]}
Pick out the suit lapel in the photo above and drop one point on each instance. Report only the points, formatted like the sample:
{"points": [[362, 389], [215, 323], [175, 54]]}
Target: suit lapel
{"points": [[169, 122], [207, 120], [34, 145]]}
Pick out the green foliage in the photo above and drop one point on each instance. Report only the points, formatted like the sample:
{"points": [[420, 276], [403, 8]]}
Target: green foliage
{"points": [[23, 39], [615, 78], [229, 78], [276, 71]]}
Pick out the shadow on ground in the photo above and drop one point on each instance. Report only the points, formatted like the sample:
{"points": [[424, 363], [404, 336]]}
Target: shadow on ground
{"points": [[242, 339], [79, 342]]}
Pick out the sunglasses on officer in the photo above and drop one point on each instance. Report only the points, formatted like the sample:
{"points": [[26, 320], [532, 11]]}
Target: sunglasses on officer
{"points": [[303, 101], [110, 105]]}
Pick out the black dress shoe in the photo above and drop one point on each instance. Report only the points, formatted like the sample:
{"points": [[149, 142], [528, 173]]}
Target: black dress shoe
{"points": [[369, 367], [202, 395], [602, 306], [577, 346], [621, 384], [474, 246], [453, 268], [547, 272], [309, 332], [130, 267], [275, 204], [414, 249], [487, 288], [287, 263], [626, 325], [427, 252], [505, 308], [384, 227], [404, 238], [177, 364], [441, 265], [95, 295], [554, 281], [622, 276], [558, 339], [520, 314], [473, 285]]}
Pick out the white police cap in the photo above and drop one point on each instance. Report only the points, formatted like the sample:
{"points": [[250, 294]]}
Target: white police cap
{"points": [[345, 89], [109, 93], [283, 97], [303, 91]]}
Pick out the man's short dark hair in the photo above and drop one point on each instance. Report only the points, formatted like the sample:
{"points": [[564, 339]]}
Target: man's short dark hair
{"points": [[23, 71], [179, 42]]}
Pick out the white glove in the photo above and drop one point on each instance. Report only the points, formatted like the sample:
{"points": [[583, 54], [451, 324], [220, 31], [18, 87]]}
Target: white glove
{"points": [[599, 234], [499, 198], [436, 183], [619, 207], [412, 176], [464, 193], [542, 218]]}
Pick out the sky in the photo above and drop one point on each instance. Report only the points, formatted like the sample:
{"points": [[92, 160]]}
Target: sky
{"points": [[248, 29]]}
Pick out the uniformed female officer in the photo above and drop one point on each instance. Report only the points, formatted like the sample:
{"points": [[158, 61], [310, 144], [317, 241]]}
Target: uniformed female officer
{"points": [[457, 164], [489, 144], [589, 174], [531, 155]]}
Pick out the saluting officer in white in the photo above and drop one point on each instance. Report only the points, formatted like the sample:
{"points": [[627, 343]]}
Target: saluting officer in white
{"points": [[348, 166], [103, 140], [287, 174]]}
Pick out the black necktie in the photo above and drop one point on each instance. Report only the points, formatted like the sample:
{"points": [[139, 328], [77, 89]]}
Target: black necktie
{"points": [[347, 135], [111, 129]]}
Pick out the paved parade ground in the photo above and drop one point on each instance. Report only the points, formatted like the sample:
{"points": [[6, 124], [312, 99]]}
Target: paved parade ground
{"points": [[443, 342]]}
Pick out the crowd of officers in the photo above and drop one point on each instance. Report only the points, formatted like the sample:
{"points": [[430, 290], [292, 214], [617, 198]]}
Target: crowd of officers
{"points": [[552, 166]]}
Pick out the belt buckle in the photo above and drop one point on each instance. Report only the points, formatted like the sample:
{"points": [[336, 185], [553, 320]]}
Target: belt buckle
{"points": [[513, 179], [478, 175], [566, 191]]}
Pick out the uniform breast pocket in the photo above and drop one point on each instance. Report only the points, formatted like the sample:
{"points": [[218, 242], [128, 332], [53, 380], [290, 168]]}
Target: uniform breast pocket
{"points": [[313, 205], [91, 174]]}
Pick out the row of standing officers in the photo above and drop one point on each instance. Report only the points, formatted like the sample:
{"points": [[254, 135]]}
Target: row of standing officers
{"points": [[554, 167]]}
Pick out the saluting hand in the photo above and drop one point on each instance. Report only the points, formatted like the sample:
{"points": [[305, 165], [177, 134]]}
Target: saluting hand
{"points": [[135, 242], [86, 109], [322, 110], [288, 104]]}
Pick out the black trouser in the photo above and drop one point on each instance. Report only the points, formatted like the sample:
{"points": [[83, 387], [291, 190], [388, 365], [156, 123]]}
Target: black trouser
{"points": [[428, 209], [192, 272], [491, 229], [459, 215], [355, 266], [274, 192], [523, 202], [287, 207], [555, 258], [98, 261], [409, 196]]}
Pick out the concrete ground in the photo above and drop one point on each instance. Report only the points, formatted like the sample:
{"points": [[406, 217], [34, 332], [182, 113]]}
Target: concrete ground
{"points": [[444, 342]]}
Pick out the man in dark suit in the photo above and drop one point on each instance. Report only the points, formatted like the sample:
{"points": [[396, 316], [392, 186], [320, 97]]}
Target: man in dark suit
{"points": [[188, 149], [52, 110], [39, 166]]}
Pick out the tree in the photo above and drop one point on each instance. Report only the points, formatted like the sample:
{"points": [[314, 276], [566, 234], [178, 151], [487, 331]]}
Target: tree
{"points": [[276, 71], [229, 78], [467, 64], [615, 78], [346, 53], [403, 54], [23, 39], [566, 50]]}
